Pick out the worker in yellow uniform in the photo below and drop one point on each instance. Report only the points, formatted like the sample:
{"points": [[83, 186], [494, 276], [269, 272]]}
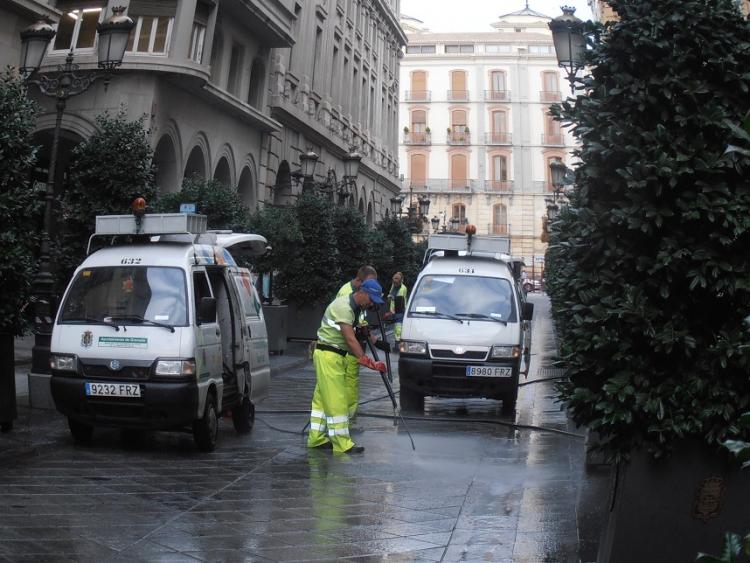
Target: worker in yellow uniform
{"points": [[329, 414], [352, 365], [398, 289]]}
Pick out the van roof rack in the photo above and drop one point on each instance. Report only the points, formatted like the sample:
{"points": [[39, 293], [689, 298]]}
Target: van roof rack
{"points": [[487, 246], [151, 224]]}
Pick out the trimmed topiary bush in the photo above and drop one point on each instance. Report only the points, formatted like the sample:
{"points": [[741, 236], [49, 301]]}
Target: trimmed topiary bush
{"points": [[649, 266]]}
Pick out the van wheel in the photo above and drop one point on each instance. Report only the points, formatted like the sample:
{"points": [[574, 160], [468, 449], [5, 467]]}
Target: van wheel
{"points": [[82, 433], [411, 400], [243, 416], [206, 429], [509, 403]]}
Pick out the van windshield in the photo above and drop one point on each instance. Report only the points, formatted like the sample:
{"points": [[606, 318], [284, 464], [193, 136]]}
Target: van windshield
{"points": [[127, 295], [465, 297]]}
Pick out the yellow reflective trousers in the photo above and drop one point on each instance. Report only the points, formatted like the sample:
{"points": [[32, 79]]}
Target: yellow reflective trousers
{"points": [[352, 383], [329, 414]]}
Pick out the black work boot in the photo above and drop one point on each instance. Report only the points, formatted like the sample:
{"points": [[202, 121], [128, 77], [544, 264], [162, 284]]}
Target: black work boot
{"points": [[355, 450]]}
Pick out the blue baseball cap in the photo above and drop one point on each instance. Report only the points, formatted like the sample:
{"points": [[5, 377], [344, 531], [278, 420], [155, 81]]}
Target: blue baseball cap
{"points": [[373, 289]]}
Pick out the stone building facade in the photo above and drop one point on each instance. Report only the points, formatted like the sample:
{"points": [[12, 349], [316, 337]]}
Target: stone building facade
{"points": [[337, 89], [234, 90], [476, 134]]}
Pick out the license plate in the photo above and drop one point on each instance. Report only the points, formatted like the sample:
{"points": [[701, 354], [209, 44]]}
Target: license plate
{"points": [[482, 371], [113, 389]]}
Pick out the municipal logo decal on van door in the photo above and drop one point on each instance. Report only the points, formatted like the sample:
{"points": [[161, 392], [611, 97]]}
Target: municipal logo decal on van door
{"points": [[87, 338]]}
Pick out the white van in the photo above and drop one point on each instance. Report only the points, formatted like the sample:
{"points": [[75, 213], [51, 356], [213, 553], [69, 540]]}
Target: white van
{"points": [[162, 332], [464, 332]]}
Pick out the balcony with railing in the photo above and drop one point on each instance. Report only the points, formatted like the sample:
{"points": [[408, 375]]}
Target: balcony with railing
{"points": [[498, 138], [420, 138], [496, 95], [458, 137], [418, 96], [443, 185], [553, 140], [498, 186], [458, 95], [549, 96]]}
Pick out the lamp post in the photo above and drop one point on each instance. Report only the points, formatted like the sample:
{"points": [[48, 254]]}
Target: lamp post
{"points": [[331, 185], [63, 84], [570, 43], [560, 176], [416, 213]]}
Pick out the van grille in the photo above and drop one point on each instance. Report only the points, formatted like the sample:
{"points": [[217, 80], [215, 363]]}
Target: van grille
{"points": [[126, 372], [473, 355]]}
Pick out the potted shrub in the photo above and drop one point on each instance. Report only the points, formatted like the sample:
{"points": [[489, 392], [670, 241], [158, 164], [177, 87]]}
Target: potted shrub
{"points": [[648, 272]]}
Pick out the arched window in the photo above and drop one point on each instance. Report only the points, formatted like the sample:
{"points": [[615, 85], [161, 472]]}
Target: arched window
{"points": [[498, 87], [459, 171], [419, 92], [550, 86], [418, 170], [418, 126], [458, 133], [552, 131], [458, 217], [458, 91], [500, 127], [499, 172], [499, 219]]}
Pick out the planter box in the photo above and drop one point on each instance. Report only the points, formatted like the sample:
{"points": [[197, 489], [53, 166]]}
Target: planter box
{"points": [[276, 327], [304, 321], [669, 510]]}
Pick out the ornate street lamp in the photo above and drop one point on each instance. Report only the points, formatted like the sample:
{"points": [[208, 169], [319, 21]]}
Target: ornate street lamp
{"points": [[435, 221], [331, 185], [62, 84], [417, 212], [34, 42], [570, 43]]}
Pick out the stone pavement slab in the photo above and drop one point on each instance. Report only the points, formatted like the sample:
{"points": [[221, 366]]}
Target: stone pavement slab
{"points": [[472, 491]]}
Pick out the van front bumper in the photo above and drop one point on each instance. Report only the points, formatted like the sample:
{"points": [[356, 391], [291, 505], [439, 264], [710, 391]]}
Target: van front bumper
{"points": [[437, 378], [161, 406]]}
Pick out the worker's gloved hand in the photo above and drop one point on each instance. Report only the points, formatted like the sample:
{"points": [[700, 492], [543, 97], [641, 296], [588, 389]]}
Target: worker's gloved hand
{"points": [[383, 345], [387, 315], [368, 362]]}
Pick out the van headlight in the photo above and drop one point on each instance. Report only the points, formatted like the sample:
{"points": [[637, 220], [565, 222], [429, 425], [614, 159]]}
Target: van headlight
{"points": [[415, 348], [176, 368], [506, 352], [63, 362]]}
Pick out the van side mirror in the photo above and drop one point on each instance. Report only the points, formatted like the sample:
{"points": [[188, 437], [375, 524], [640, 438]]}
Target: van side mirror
{"points": [[400, 304], [528, 311], [207, 310]]}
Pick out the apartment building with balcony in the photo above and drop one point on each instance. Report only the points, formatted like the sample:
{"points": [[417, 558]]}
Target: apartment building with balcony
{"points": [[235, 90], [476, 134]]}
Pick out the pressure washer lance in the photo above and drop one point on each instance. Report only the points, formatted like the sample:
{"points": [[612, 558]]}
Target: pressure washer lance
{"points": [[389, 377]]}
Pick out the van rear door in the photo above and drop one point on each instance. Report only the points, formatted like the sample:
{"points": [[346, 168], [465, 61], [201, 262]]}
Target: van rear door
{"points": [[256, 342]]}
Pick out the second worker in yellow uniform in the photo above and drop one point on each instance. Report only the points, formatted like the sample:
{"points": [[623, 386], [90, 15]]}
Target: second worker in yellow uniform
{"points": [[352, 365]]}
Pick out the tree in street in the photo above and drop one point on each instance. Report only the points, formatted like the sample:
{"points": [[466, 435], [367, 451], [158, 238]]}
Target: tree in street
{"points": [[109, 170], [20, 208]]}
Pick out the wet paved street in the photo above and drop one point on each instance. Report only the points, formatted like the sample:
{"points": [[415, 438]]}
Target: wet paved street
{"points": [[472, 491]]}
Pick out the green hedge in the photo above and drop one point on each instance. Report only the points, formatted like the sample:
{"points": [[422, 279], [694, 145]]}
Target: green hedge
{"points": [[649, 266]]}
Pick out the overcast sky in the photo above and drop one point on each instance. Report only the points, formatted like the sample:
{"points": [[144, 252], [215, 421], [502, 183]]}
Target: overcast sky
{"points": [[478, 15]]}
